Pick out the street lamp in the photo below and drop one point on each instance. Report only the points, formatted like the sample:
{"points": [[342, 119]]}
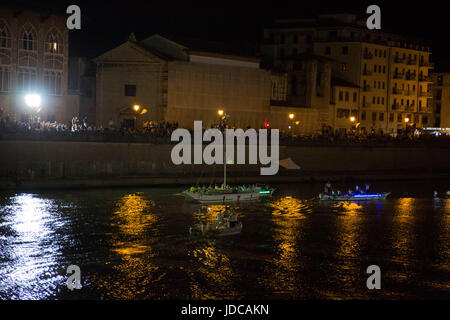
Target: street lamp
{"points": [[220, 112], [406, 120], [33, 100], [291, 116], [136, 107], [352, 119]]}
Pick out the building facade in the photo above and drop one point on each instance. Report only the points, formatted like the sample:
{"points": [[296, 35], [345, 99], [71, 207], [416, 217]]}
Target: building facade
{"points": [[178, 82], [441, 101], [34, 60], [389, 72]]}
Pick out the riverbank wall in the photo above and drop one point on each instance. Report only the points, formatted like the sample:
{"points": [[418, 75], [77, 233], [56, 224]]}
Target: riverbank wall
{"points": [[62, 164]]}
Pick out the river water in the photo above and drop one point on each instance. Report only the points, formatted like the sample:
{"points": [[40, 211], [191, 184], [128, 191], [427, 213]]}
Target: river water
{"points": [[134, 244]]}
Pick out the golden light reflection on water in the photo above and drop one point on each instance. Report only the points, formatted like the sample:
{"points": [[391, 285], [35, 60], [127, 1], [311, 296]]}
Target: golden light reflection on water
{"points": [[133, 243], [291, 207], [288, 214], [213, 264]]}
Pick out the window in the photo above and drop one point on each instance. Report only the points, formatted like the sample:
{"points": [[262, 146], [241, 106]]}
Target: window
{"points": [[382, 100], [384, 69], [53, 42], [282, 38], [341, 95], [4, 79], [381, 116], [346, 96], [391, 117], [28, 38], [130, 90], [5, 36], [344, 67], [345, 50], [363, 115], [375, 68], [26, 79], [373, 100], [424, 120], [399, 118], [354, 96], [53, 82], [327, 50], [374, 116]]}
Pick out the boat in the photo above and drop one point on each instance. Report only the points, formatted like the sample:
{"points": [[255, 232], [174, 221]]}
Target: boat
{"points": [[354, 196], [228, 194], [222, 226]]}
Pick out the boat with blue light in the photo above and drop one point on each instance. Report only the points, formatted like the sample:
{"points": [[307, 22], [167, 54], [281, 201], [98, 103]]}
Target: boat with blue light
{"points": [[354, 196]]}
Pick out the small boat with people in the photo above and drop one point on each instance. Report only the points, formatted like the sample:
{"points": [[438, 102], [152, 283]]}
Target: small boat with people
{"points": [[357, 195], [226, 224], [227, 193]]}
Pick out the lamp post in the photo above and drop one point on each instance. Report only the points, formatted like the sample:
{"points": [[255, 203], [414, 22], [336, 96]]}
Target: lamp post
{"points": [[291, 117], [33, 101]]}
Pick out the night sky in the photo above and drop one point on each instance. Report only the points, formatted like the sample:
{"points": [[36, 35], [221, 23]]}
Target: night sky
{"points": [[106, 24]]}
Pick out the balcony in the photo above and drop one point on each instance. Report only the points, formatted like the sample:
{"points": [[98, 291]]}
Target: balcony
{"points": [[409, 93], [399, 60], [426, 64], [410, 77], [367, 55], [425, 79], [426, 94], [398, 75], [365, 104], [367, 72], [397, 91], [395, 106], [409, 109], [366, 88], [411, 62]]}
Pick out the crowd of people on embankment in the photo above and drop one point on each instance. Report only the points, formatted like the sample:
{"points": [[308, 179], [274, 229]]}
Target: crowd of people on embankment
{"points": [[80, 129]]}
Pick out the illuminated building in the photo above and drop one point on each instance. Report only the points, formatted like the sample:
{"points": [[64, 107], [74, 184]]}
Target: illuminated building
{"points": [[34, 60], [390, 72]]}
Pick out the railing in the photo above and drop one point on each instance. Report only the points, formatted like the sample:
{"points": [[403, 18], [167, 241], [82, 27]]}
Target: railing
{"points": [[367, 56], [398, 75], [426, 94], [426, 64], [398, 60], [395, 106], [425, 79], [366, 88], [365, 104], [410, 77], [367, 72], [397, 91], [411, 62]]}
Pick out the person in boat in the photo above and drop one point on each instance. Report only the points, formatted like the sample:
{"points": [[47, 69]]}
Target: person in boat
{"points": [[358, 191], [367, 188], [233, 219], [328, 188], [435, 194]]}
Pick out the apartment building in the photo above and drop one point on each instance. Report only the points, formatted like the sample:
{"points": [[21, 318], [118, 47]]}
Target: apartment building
{"points": [[390, 71]]}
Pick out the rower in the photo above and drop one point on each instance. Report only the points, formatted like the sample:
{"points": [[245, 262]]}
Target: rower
{"points": [[435, 194], [357, 190], [367, 187]]}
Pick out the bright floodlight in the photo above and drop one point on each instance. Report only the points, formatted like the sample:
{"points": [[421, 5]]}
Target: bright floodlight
{"points": [[33, 100]]}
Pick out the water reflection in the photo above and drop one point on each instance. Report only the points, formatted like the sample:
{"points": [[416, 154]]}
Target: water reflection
{"points": [[136, 271], [30, 254]]}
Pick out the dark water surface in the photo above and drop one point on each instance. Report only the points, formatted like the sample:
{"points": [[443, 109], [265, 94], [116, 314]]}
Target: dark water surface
{"points": [[134, 244]]}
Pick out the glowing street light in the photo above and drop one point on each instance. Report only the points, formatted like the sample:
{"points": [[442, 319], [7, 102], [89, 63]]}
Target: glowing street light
{"points": [[291, 116], [33, 100], [352, 119], [136, 107], [406, 120], [220, 112]]}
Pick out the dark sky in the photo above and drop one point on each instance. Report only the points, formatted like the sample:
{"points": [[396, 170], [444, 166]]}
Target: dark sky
{"points": [[107, 23]]}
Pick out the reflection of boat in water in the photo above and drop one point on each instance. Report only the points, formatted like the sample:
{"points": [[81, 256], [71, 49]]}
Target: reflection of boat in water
{"points": [[228, 194], [226, 224], [354, 196]]}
